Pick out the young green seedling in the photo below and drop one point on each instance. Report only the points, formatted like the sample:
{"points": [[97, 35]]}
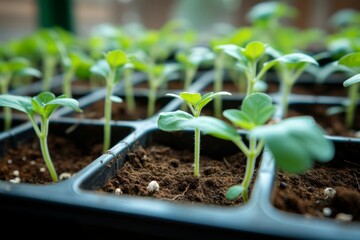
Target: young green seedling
{"points": [[293, 142], [157, 75], [109, 68], [190, 62], [289, 67], [43, 105], [247, 60], [171, 121], [10, 70], [351, 62]]}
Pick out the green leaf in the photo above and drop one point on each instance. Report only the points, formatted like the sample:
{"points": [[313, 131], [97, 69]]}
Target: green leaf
{"points": [[352, 80], [256, 110], [192, 98], [206, 98], [20, 103], [116, 99], [28, 72], [295, 143], [233, 51], [296, 59], [350, 60], [254, 50], [116, 58], [234, 192], [172, 121], [212, 126], [101, 68]]}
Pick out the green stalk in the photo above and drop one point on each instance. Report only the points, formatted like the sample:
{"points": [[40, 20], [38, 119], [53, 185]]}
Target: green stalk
{"points": [[285, 91], [251, 79], [42, 135], [197, 153], [351, 107], [130, 101], [49, 69], [68, 76], [189, 76], [107, 111], [251, 153], [4, 84], [218, 84], [151, 100]]}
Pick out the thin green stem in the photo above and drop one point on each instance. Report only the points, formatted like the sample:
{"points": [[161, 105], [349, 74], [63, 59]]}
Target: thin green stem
{"points": [[130, 101], [49, 69], [68, 77], [45, 149], [218, 84], [107, 111], [4, 85], [250, 167], [152, 101], [251, 78], [197, 153], [353, 95]]}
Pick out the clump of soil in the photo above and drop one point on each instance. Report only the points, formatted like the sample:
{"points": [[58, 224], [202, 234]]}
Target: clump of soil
{"points": [[173, 170], [26, 162], [304, 194]]}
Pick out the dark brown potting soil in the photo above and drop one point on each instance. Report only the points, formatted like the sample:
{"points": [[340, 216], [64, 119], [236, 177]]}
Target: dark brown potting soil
{"points": [[173, 170], [27, 162], [304, 194]]}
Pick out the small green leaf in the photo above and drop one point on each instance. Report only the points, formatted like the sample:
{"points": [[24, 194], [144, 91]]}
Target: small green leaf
{"points": [[212, 126], [20, 103], [352, 80], [296, 59], [256, 110], [350, 60], [192, 98], [101, 68], [234, 192], [295, 143], [116, 58], [206, 98], [28, 72], [116, 99], [254, 50], [172, 121]]}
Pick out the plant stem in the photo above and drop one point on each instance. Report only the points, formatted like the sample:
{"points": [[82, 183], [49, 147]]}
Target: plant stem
{"points": [[351, 107], [68, 76], [45, 150], [285, 91], [130, 101], [189, 76], [49, 69], [218, 84], [107, 111], [197, 153], [4, 84], [251, 78]]}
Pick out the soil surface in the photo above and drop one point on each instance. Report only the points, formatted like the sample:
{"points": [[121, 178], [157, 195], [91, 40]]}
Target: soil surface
{"points": [[304, 194], [26, 161], [173, 171]]}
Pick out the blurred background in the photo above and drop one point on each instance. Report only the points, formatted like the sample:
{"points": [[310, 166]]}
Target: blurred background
{"points": [[21, 17]]}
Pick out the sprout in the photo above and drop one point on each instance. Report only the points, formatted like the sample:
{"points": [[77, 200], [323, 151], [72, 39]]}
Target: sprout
{"points": [[43, 105]]}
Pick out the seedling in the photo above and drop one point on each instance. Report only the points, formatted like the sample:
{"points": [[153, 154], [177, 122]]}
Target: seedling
{"points": [[351, 62], [293, 142], [289, 67], [43, 105], [10, 70], [171, 121], [157, 75], [109, 68], [190, 62], [247, 60]]}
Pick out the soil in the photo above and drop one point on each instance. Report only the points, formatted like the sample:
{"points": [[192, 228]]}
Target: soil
{"points": [[27, 159], [173, 170], [304, 194]]}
